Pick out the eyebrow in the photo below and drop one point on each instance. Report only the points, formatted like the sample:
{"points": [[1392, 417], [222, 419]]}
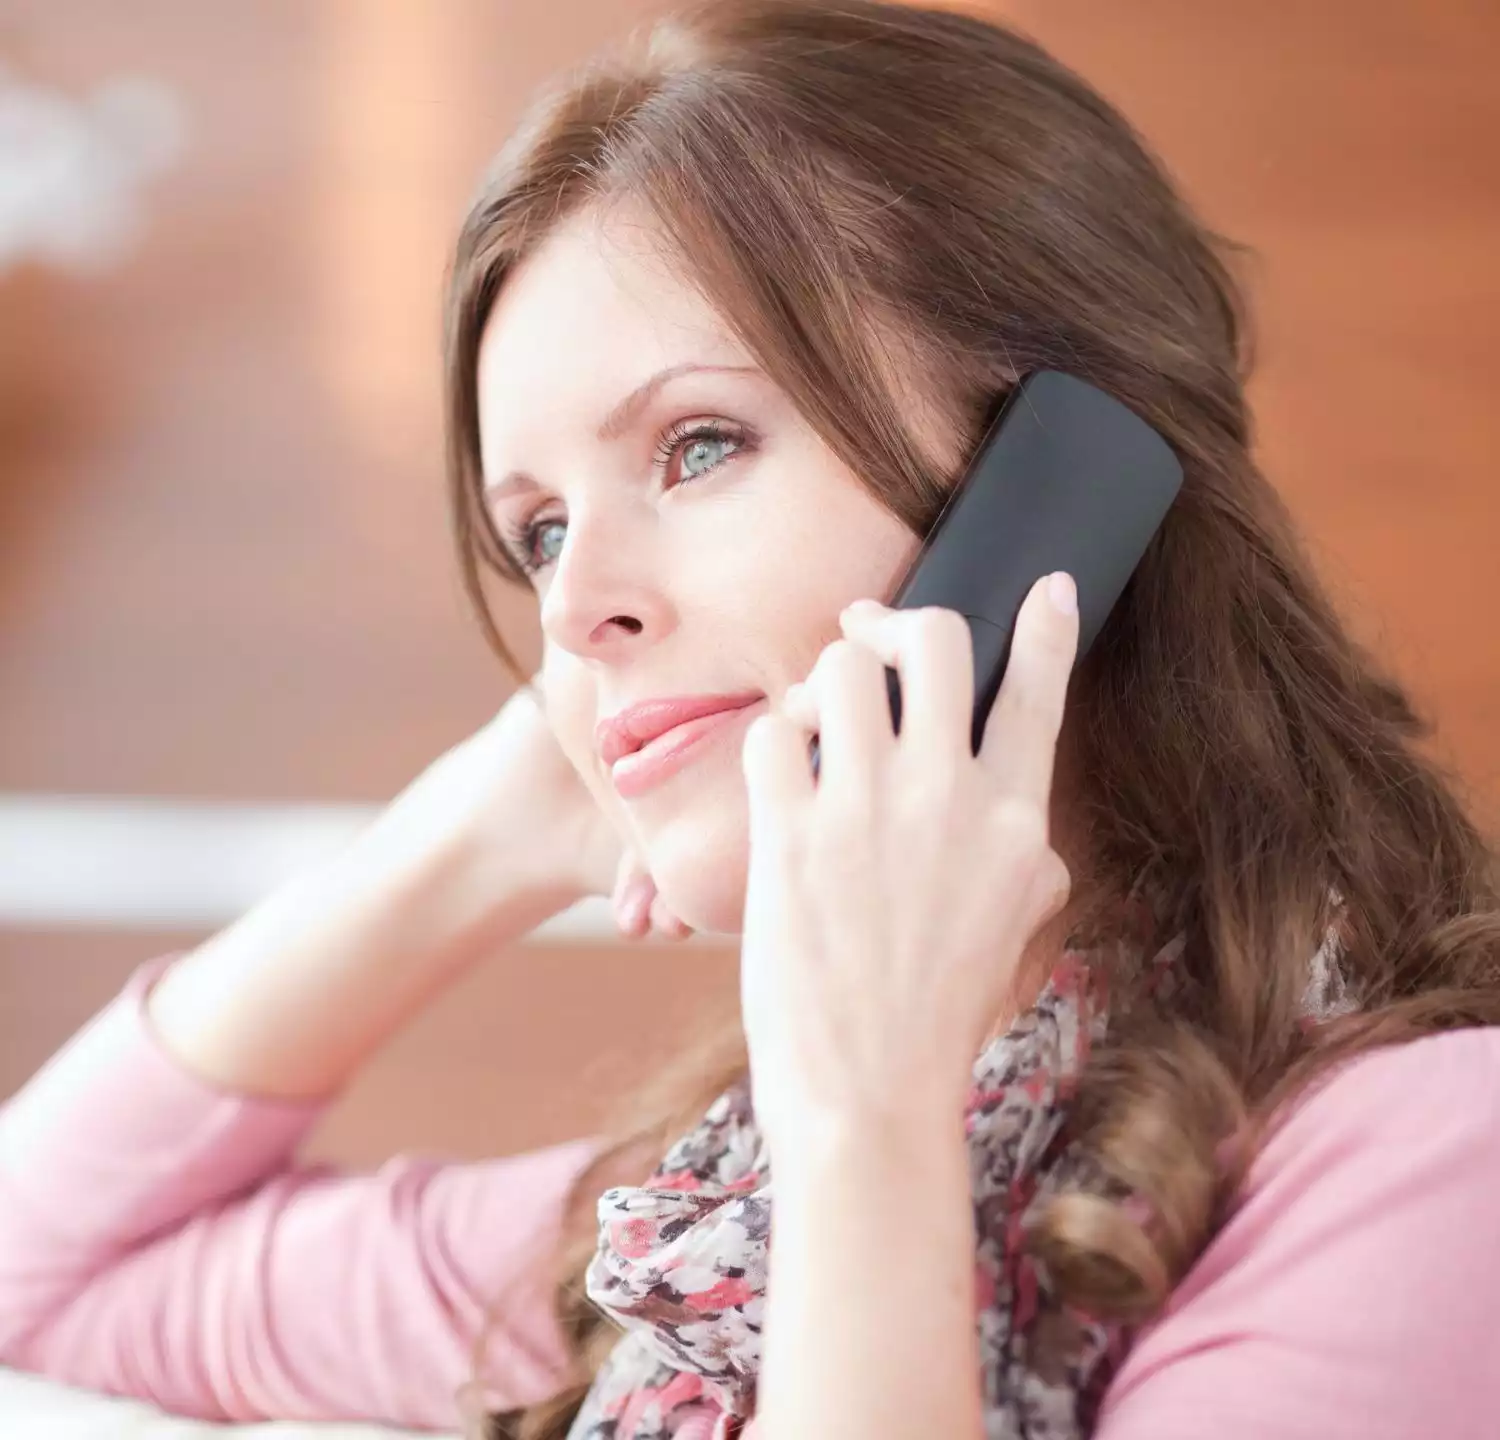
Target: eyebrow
{"points": [[624, 415]]}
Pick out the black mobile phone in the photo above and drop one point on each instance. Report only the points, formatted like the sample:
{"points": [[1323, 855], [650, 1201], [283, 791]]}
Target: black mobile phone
{"points": [[1065, 478]]}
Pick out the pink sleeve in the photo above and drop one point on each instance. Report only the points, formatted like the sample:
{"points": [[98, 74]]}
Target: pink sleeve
{"points": [[1355, 1295], [156, 1240]]}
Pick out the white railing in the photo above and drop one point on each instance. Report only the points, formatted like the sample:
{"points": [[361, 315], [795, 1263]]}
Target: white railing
{"points": [[92, 862]]}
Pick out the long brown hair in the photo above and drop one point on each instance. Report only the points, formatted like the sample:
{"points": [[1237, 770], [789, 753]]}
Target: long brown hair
{"points": [[854, 180]]}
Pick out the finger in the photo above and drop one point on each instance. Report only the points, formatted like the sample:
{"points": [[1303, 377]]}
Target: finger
{"points": [[778, 777], [932, 652], [624, 871], [844, 700], [797, 706], [634, 916], [633, 894], [1020, 737], [665, 923]]}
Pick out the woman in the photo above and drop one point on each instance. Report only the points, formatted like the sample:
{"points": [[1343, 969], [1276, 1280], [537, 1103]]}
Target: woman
{"points": [[724, 324]]}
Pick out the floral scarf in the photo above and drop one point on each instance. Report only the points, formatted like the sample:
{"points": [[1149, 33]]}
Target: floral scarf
{"points": [[682, 1260]]}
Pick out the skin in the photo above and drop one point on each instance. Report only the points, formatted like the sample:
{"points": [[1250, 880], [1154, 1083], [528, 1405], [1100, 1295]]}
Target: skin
{"points": [[891, 911], [887, 913], [735, 574], [885, 908]]}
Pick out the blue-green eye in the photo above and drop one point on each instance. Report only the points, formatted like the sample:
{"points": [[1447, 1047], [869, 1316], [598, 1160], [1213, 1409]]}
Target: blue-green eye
{"points": [[535, 544], [547, 540], [702, 453], [697, 447]]}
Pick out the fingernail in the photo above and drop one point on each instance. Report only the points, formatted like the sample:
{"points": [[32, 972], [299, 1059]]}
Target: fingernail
{"points": [[1063, 593], [636, 903], [863, 607]]}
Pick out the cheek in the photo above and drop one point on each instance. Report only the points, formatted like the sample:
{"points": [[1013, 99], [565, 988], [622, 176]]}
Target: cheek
{"points": [[847, 552], [784, 546], [572, 710]]}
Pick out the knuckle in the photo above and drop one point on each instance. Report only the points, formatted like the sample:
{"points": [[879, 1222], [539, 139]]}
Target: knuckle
{"points": [[839, 657], [947, 643], [852, 814], [1033, 696], [939, 628], [947, 621], [1055, 641], [1021, 826], [1051, 883], [759, 730], [1039, 702], [940, 780], [761, 736]]}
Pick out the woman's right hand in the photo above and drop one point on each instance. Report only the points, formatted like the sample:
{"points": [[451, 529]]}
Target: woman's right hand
{"points": [[493, 838], [507, 800]]}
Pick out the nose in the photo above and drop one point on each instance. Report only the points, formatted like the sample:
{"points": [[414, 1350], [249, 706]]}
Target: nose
{"points": [[605, 595]]}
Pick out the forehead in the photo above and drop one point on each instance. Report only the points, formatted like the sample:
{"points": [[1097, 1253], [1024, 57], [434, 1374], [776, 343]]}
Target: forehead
{"points": [[597, 307]]}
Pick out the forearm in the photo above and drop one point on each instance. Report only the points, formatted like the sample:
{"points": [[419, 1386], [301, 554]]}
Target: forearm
{"points": [[870, 1326], [289, 1000]]}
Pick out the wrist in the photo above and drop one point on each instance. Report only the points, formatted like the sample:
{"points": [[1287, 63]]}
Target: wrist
{"points": [[890, 1350], [884, 1141], [463, 891], [291, 998]]}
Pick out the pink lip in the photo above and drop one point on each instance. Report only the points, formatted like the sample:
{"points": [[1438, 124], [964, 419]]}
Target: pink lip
{"points": [[646, 743], [639, 725]]}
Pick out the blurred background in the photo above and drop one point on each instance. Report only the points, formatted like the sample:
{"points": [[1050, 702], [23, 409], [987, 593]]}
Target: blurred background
{"points": [[229, 621]]}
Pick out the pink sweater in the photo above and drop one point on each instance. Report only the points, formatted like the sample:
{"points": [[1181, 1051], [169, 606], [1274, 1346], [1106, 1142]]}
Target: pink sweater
{"points": [[158, 1239]]}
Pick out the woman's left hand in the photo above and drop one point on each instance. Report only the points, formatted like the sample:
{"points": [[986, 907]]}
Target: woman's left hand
{"points": [[889, 901]]}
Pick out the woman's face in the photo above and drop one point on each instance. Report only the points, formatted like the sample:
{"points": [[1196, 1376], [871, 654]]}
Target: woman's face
{"points": [[690, 537]]}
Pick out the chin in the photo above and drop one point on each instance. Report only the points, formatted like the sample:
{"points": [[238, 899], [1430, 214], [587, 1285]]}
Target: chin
{"points": [[699, 864]]}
